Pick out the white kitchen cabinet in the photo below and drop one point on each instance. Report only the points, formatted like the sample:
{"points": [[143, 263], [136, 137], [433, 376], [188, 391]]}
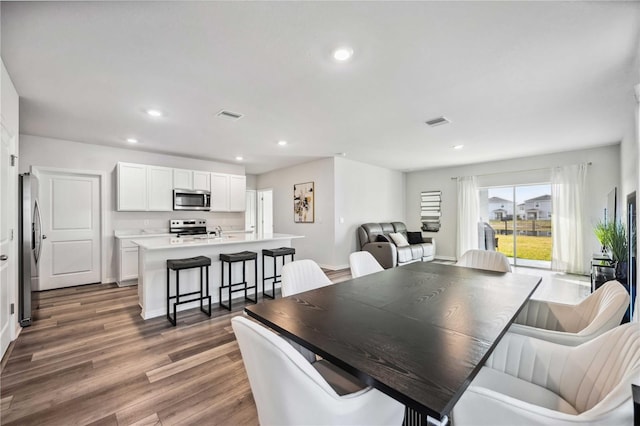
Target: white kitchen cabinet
{"points": [[182, 179], [128, 257], [159, 188], [201, 181], [132, 187], [237, 193], [219, 192], [228, 192], [191, 179], [144, 188], [127, 262]]}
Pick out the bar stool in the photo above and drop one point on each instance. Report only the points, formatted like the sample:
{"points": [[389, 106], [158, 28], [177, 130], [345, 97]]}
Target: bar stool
{"points": [[179, 265], [230, 259], [275, 253]]}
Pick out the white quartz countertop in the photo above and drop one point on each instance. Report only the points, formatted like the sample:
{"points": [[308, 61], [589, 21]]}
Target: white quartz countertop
{"points": [[161, 243], [137, 233]]}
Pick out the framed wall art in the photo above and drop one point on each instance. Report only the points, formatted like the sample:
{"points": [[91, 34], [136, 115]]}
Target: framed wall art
{"points": [[303, 202]]}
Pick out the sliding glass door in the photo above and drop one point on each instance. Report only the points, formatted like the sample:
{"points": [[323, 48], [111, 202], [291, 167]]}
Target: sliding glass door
{"points": [[521, 219]]}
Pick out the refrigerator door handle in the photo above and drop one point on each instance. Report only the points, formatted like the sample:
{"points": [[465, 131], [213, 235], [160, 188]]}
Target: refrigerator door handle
{"points": [[37, 233]]}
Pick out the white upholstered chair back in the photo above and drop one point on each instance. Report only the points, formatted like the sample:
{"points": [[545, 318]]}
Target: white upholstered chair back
{"points": [[484, 259], [289, 391], [302, 275], [594, 377], [574, 324], [363, 263]]}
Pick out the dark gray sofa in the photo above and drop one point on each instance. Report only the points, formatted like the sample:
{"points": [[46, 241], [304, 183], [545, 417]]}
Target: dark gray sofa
{"points": [[387, 253]]}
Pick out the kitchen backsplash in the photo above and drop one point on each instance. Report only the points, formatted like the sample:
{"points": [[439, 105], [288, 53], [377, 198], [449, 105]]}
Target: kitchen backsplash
{"points": [[159, 221]]}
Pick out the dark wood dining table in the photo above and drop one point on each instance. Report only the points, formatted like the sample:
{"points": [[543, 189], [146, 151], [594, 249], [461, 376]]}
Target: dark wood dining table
{"points": [[419, 333]]}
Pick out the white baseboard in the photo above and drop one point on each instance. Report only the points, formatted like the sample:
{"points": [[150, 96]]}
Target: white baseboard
{"points": [[450, 258]]}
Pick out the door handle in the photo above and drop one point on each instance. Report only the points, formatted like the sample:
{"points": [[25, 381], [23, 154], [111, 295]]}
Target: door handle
{"points": [[44, 237], [4, 257]]}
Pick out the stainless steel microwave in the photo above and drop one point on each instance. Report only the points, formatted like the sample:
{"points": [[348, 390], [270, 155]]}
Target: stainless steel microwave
{"points": [[185, 199]]}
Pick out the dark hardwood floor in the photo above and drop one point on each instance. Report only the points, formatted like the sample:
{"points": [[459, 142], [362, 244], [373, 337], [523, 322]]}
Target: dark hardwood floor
{"points": [[89, 358]]}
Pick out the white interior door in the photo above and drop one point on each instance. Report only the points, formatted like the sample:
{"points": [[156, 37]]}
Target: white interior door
{"points": [[250, 213], [70, 211], [8, 257], [265, 211]]}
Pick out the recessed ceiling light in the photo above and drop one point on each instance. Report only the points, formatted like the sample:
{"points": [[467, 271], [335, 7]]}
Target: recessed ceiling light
{"points": [[458, 147], [155, 113], [343, 54], [282, 143], [132, 140], [239, 158]]}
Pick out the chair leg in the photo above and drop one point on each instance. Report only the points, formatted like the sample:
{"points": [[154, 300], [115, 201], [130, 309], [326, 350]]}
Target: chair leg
{"points": [[263, 278], [255, 283], [171, 320]]}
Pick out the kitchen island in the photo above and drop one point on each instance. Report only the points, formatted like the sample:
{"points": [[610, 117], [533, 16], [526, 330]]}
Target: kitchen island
{"points": [[154, 252]]}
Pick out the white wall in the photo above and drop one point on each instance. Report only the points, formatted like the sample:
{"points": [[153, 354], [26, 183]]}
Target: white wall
{"points": [[629, 148], [354, 191], [364, 193], [252, 181], [47, 152], [602, 176], [318, 243]]}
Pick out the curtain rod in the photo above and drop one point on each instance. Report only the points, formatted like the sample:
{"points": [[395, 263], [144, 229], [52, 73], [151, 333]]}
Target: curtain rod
{"points": [[518, 171]]}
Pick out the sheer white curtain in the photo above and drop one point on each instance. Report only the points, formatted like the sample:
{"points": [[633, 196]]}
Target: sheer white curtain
{"points": [[567, 197], [468, 214]]}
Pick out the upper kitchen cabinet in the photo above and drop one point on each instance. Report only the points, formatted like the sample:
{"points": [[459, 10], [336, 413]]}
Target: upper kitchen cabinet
{"points": [[228, 192], [182, 179], [159, 189], [191, 179], [144, 188], [201, 181], [237, 193], [132, 187]]}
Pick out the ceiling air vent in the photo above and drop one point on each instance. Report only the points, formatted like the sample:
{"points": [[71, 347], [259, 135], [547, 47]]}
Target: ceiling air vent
{"points": [[228, 115], [438, 121]]}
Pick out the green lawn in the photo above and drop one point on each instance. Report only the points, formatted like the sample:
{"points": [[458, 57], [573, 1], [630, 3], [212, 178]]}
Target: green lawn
{"points": [[534, 248]]}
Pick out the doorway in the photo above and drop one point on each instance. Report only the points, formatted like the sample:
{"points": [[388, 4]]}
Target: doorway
{"points": [[251, 211], [521, 218], [8, 254], [265, 211], [70, 203]]}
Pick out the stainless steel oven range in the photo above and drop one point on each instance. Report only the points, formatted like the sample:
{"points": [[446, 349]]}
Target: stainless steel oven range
{"points": [[188, 227]]}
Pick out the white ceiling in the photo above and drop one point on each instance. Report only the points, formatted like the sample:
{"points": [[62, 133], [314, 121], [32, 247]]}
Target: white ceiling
{"points": [[515, 78]]}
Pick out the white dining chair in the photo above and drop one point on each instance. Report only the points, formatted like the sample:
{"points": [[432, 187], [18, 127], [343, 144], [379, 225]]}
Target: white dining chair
{"points": [[530, 381], [302, 275], [363, 263], [297, 277], [574, 324], [485, 259], [288, 390]]}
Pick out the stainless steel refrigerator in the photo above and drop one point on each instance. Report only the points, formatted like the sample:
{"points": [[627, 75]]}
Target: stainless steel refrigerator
{"points": [[30, 240]]}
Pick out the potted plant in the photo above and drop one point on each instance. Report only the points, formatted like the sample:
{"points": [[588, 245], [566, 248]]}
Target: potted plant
{"points": [[613, 238]]}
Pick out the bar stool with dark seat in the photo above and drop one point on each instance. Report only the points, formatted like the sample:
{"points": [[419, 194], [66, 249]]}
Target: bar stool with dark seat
{"points": [[230, 259], [179, 265], [275, 253]]}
